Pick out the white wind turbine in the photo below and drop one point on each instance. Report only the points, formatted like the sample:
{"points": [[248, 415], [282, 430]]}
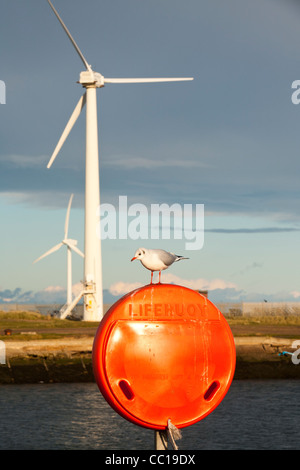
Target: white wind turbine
{"points": [[71, 245], [90, 80]]}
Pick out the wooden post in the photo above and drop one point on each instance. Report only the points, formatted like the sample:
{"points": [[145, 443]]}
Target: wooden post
{"points": [[161, 440]]}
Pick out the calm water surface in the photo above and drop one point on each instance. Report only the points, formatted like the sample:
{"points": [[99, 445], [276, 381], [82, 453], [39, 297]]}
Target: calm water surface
{"points": [[253, 415]]}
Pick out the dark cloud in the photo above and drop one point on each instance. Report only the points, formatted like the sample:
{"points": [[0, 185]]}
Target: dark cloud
{"points": [[16, 295], [253, 230], [231, 134]]}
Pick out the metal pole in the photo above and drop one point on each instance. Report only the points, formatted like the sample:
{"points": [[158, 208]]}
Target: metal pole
{"points": [[161, 440]]}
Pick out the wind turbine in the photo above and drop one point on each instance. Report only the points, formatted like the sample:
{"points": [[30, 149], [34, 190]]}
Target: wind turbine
{"points": [[71, 245], [90, 80]]}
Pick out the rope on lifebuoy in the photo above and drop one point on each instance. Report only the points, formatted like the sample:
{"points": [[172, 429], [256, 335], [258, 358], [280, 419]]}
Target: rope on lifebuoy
{"points": [[173, 433]]}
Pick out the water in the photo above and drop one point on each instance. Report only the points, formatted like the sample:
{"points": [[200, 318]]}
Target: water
{"points": [[253, 415]]}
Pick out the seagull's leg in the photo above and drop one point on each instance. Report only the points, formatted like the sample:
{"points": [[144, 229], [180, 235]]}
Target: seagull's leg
{"points": [[151, 277], [159, 277]]}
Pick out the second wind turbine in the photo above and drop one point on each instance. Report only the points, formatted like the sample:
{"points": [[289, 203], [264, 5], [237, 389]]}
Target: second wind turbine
{"points": [[90, 80]]}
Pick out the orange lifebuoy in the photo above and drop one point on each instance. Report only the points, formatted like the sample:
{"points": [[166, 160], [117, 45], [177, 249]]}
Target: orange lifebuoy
{"points": [[163, 352]]}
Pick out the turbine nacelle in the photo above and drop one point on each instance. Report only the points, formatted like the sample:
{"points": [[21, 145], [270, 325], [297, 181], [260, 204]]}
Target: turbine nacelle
{"points": [[69, 242], [89, 77]]}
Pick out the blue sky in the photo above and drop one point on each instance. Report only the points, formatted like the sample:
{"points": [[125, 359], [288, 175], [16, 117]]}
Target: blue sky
{"points": [[228, 140]]}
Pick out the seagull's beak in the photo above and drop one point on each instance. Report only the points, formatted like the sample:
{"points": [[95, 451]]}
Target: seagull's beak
{"points": [[133, 258]]}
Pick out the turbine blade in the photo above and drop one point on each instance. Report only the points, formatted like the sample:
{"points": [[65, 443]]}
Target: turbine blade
{"points": [[68, 127], [68, 216], [88, 67], [74, 248], [52, 250], [145, 80]]}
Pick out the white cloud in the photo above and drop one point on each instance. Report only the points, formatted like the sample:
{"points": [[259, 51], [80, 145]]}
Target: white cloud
{"points": [[41, 199], [121, 288], [77, 288], [58, 293], [295, 294], [201, 284], [128, 162], [24, 161], [53, 289]]}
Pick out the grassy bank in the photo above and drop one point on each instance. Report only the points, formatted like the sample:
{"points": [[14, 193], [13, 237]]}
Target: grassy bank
{"points": [[27, 326], [49, 350], [288, 320], [22, 323], [26, 320], [79, 368]]}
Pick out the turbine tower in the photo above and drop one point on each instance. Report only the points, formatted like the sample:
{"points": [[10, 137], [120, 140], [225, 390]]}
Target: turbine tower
{"points": [[71, 245], [90, 80]]}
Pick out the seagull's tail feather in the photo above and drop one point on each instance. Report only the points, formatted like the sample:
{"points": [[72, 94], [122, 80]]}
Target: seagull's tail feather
{"points": [[180, 258]]}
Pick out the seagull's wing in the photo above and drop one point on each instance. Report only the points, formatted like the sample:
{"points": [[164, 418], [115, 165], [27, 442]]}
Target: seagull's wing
{"points": [[165, 257]]}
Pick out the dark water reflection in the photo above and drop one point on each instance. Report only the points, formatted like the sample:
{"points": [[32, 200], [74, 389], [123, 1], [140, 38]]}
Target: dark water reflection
{"points": [[253, 415]]}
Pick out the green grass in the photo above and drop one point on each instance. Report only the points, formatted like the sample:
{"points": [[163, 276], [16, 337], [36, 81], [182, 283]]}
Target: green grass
{"points": [[21, 315], [34, 320], [289, 320]]}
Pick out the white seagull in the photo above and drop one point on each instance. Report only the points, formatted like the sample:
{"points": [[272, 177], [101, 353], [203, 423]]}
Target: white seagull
{"points": [[156, 260]]}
